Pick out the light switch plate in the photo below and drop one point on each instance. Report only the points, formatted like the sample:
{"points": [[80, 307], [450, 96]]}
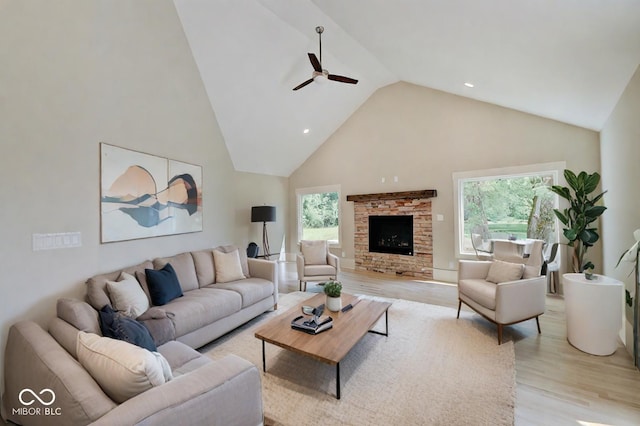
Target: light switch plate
{"points": [[56, 240]]}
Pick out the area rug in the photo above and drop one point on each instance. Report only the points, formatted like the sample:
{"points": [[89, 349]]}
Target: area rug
{"points": [[432, 369]]}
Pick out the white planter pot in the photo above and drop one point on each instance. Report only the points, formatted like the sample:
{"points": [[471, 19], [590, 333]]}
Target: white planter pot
{"points": [[594, 312], [334, 304]]}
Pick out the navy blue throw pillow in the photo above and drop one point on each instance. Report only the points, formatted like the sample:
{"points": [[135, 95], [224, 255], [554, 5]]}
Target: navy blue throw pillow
{"points": [[121, 327], [163, 285]]}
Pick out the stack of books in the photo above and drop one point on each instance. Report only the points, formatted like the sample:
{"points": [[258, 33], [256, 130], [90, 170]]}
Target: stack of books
{"points": [[314, 324]]}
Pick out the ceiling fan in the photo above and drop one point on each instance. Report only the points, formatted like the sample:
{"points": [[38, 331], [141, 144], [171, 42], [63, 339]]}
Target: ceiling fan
{"points": [[320, 74]]}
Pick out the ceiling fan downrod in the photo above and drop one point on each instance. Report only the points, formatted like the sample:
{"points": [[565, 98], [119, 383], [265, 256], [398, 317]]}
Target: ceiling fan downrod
{"points": [[320, 30]]}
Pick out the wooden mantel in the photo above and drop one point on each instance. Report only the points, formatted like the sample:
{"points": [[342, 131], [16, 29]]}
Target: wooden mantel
{"points": [[425, 193]]}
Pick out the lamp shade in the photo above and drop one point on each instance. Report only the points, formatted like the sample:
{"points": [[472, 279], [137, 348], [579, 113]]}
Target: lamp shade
{"points": [[263, 214]]}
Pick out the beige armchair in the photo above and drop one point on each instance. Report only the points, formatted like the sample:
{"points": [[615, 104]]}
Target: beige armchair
{"points": [[316, 263], [505, 293]]}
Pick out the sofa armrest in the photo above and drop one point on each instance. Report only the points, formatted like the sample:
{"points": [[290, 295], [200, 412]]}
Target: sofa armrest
{"points": [[268, 270], [35, 360], [300, 265], [265, 269], [223, 392], [520, 299], [470, 269]]}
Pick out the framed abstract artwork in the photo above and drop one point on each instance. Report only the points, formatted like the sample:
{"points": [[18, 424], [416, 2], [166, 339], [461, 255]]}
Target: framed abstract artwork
{"points": [[143, 195]]}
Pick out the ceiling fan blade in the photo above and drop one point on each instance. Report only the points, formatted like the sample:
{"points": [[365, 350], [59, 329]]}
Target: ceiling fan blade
{"points": [[300, 86], [315, 63], [342, 79]]}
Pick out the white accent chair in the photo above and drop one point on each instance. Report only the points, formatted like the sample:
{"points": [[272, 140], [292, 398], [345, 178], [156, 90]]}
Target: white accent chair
{"points": [[504, 292], [316, 263]]}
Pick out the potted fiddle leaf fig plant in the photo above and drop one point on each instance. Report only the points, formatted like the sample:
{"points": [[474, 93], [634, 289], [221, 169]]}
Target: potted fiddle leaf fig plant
{"points": [[592, 302], [580, 231], [333, 290]]}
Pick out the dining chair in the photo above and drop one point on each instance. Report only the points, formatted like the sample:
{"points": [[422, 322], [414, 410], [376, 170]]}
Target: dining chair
{"points": [[553, 270]]}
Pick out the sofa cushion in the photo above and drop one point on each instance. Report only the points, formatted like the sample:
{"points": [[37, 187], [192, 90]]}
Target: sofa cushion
{"points": [[182, 358], [252, 290], [205, 272], [185, 269], [501, 272], [479, 290], [198, 308], [141, 276], [79, 314], [121, 369], [121, 327], [314, 252], [244, 263], [97, 293], [319, 270], [127, 296], [228, 267], [163, 285]]}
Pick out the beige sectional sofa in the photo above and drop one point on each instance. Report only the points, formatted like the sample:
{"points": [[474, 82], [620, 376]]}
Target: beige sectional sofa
{"points": [[208, 308], [88, 374]]}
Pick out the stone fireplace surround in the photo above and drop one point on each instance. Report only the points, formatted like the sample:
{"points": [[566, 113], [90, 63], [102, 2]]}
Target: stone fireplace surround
{"points": [[415, 203]]}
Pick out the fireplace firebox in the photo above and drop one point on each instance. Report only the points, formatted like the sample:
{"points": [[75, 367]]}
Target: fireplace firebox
{"points": [[391, 234]]}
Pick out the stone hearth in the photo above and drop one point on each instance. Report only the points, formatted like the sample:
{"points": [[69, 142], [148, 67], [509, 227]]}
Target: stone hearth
{"points": [[415, 203]]}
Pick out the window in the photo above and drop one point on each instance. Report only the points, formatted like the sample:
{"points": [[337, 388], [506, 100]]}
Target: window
{"points": [[510, 203], [319, 213]]}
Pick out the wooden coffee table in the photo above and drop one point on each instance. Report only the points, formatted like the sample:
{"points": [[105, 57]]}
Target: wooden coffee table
{"points": [[332, 345]]}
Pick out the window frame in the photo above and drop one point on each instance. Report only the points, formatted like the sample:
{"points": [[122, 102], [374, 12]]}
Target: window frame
{"points": [[318, 190], [556, 169]]}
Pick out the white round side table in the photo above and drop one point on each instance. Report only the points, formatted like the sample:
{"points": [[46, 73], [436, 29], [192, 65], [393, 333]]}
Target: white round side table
{"points": [[594, 312]]}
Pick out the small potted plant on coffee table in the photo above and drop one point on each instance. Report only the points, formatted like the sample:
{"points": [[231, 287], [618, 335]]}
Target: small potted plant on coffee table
{"points": [[333, 289]]}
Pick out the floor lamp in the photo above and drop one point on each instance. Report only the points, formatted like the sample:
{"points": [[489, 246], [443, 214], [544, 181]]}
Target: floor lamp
{"points": [[264, 214]]}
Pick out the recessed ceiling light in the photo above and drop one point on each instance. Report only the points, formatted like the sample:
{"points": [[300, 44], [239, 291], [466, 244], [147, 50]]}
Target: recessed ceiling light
{"points": [[305, 131], [468, 84]]}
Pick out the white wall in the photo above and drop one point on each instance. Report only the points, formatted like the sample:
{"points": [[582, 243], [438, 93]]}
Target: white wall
{"points": [[76, 73], [422, 136], [620, 147], [257, 190]]}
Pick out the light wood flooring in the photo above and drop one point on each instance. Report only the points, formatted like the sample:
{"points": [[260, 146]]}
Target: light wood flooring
{"points": [[556, 383]]}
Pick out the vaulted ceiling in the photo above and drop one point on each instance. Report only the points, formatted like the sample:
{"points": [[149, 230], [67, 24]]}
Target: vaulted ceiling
{"points": [[567, 60]]}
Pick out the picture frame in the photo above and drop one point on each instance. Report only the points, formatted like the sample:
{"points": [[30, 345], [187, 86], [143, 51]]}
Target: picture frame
{"points": [[144, 195]]}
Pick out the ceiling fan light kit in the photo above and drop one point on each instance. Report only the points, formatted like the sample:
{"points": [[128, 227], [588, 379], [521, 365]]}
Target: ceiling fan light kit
{"points": [[320, 77], [319, 74]]}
